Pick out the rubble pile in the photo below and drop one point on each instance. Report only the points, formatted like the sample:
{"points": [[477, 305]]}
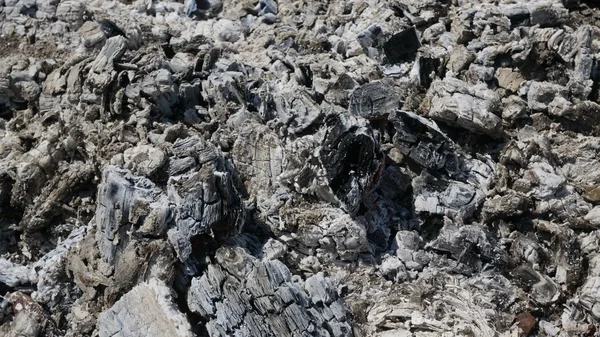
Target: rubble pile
{"points": [[299, 168]]}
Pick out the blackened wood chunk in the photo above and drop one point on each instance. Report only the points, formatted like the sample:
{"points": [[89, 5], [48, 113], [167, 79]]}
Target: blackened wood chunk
{"points": [[402, 46], [423, 142], [240, 295], [373, 100], [351, 158]]}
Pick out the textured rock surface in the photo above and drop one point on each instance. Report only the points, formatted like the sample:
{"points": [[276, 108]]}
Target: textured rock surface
{"points": [[295, 168]]}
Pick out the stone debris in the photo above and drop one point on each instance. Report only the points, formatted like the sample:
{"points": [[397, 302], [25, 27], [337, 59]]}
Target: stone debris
{"points": [[292, 168]]}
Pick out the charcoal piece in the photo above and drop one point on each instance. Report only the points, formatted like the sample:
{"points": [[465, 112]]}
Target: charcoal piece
{"points": [[162, 89], [102, 72], [548, 15], [511, 204], [203, 7], [144, 160], [519, 16], [297, 110], [431, 65], [402, 46], [205, 201], [224, 88], [370, 37], [329, 232], [110, 29], [260, 157], [351, 158], [542, 288], [30, 318], [394, 182], [13, 275], [146, 310], [509, 79], [46, 205], [565, 251], [460, 58], [589, 290], [373, 100], [24, 91], [182, 64], [445, 197], [469, 245], [92, 34], [454, 102], [124, 201], [423, 142], [190, 94], [245, 296], [71, 12], [541, 94], [266, 7], [53, 286], [203, 198], [409, 249]]}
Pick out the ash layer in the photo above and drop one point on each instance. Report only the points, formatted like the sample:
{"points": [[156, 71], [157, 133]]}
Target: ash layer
{"points": [[299, 168]]}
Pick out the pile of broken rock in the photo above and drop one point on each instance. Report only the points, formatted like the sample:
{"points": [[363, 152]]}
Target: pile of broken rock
{"points": [[299, 168]]}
